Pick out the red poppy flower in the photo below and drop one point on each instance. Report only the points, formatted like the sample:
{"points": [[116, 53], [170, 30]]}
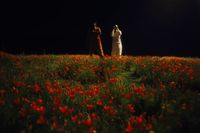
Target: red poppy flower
{"points": [[100, 102], [74, 118], [63, 109], [139, 120], [129, 128], [131, 108], [87, 122], [36, 88]]}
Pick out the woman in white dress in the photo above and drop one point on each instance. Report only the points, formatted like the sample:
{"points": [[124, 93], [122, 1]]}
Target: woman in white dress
{"points": [[116, 42]]}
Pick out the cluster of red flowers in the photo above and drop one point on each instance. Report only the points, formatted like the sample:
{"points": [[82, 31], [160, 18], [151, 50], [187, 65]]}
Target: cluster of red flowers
{"points": [[138, 122], [72, 106]]}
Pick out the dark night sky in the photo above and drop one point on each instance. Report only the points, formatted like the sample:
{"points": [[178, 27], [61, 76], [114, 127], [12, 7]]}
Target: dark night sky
{"points": [[150, 27]]}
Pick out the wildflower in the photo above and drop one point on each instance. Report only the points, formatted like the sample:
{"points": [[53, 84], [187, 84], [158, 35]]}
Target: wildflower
{"points": [[131, 108], [128, 95], [37, 108], [71, 94], [39, 101], [162, 86], [91, 130], [90, 106], [51, 90], [54, 125], [80, 114], [26, 100], [100, 102], [56, 86], [110, 101], [95, 89], [104, 86], [74, 118], [40, 109], [94, 116], [139, 120], [87, 122], [48, 84], [129, 128], [149, 126], [81, 93], [36, 88], [79, 88], [139, 90], [19, 84], [113, 68], [109, 110], [132, 119], [113, 80], [63, 109], [71, 110], [57, 101], [15, 90]]}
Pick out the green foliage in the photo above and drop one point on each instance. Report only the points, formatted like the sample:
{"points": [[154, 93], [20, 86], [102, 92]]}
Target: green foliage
{"points": [[79, 93]]}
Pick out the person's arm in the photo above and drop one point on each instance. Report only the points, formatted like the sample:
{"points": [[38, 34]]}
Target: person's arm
{"points": [[99, 31], [113, 33], [120, 32]]}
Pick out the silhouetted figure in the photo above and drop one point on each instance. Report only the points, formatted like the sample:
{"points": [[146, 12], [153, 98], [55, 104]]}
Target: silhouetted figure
{"points": [[116, 41], [94, 41]]}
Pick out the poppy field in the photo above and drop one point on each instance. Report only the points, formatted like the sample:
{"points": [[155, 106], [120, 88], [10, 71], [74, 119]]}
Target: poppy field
{"points": [[84, 94]]}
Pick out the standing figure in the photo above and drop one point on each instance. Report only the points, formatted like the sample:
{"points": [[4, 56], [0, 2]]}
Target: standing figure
{"points": [[116, 41], [94, 41]]}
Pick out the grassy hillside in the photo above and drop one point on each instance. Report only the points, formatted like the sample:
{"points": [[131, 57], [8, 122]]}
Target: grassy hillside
{"points": [[79, 93]]}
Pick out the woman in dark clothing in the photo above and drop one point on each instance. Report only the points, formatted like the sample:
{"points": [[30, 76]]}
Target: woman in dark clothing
{"points": [[94, 41]]}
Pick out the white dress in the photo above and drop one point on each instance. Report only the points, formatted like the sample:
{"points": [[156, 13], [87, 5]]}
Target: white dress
{"points": [[116, 43]]}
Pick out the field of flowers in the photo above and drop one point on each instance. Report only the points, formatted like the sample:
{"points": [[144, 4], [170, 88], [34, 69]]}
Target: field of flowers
{"points": [[83, 94]]}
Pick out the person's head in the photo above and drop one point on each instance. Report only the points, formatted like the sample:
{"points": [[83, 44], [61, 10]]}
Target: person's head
{"points": [[115, 26], [94, 24]]}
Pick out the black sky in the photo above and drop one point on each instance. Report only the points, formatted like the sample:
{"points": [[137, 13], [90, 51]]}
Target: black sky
{"points": [[150, 27]]}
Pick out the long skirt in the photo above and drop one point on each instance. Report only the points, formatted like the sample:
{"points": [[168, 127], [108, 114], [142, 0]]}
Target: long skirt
{"points": [[116, 49]]}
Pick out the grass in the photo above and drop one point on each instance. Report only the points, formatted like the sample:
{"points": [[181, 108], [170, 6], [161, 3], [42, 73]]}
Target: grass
{"points": [[79, 93]]}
